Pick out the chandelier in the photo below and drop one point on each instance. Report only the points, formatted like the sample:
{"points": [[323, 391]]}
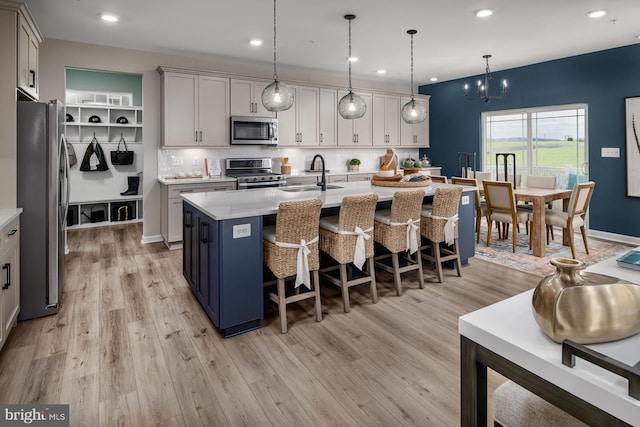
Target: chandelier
{"points": [[277, 96], [483, 89]]}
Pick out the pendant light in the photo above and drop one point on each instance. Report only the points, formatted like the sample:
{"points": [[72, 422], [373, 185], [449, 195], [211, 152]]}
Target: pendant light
{"points": [[351, 106], [277, 96], [413, 112]]}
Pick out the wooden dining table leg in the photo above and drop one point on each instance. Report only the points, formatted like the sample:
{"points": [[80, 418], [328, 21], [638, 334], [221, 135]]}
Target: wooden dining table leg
{"points": [[538, 228], [566, 239]]}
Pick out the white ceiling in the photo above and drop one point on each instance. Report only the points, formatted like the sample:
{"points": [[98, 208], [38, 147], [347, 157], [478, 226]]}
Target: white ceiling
{"points": [[313, 33]]}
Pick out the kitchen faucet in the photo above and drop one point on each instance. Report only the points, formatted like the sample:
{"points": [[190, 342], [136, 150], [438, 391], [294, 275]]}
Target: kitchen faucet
{"points": [[323, 182]]}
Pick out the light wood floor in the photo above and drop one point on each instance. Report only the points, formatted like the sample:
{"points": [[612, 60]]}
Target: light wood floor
{"points": [[132, 347]]}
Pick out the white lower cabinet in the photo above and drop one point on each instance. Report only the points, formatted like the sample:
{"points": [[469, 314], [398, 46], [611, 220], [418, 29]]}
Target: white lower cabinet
{"points": [[302, 180], [171, 212], [337, 178], [359, 177], [9, 278]]}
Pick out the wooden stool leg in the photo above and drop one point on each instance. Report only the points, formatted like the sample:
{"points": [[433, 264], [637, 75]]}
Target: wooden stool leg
{"points": [[458, 262], [420, 271], [345, 288], [282, 306], [396, 272], [316, 290], [372, 274], [436, 254]]}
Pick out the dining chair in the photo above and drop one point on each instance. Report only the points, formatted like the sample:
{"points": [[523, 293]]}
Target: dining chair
{"points": [[518, 178], [481, 176], [501, 207], [480, 204], [440, 225], [438, 178], [290, 249], [575, 214], [398, 230], [347, 239], [548, 182]]}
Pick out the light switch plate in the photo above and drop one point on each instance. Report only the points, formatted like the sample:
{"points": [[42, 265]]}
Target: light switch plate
{"points": [[609, 152], [241, 230], [464, 200], [176, 161]]}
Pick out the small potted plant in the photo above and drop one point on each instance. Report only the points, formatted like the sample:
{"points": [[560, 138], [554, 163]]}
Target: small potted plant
{"points": [[354, 165]]}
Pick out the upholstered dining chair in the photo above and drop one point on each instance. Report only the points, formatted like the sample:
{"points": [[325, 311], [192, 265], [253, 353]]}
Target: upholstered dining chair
{"points": [[438, 178], [575, 214], [291, 249], [501, 207], [439, 224], [347, 238], [518, 178], [480, 204], [398, 230], [548, 182], [481, 176]]}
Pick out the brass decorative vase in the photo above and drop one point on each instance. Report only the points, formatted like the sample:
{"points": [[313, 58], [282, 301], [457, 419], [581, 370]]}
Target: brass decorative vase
{"points": [[584, 307]]}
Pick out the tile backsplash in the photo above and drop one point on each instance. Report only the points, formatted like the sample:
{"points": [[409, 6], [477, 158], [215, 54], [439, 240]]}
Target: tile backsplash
{"points": [[174, 161]]}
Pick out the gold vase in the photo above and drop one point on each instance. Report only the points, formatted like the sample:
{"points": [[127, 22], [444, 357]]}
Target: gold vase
{"points": [[584, 307]]}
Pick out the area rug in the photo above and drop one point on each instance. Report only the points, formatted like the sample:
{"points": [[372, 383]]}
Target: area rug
{"points": [[500, 252]]}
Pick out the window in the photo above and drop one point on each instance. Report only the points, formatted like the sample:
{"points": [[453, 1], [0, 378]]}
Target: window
{"points": [[548, 141]]}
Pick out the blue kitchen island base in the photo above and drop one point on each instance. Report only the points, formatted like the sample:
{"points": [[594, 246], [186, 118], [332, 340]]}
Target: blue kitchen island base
{"points": [[222, 262]]}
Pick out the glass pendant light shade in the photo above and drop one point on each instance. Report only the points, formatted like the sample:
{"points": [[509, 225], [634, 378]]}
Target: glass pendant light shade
{"points": [[352, 106], [277, 96], [414, 112]]}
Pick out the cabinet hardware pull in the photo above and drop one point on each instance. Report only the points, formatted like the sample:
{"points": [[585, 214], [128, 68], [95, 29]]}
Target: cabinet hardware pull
{"points": [[187, 224], [203, 232], [187, 191], [200, 136], [33, 78], [7, 268], [300, 136], [195, 136], [14, 231], [320, 137]]}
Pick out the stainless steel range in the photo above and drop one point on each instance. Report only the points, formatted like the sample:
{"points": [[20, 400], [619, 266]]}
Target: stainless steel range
{"points": [[254, 173]]}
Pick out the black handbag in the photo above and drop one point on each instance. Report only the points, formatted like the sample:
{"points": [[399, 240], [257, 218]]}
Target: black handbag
{"points": [[119, 157]]}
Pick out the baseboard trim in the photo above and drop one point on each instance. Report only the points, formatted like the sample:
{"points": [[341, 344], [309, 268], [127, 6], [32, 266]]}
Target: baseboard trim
{"points": [[613, 237], [151, 239]]}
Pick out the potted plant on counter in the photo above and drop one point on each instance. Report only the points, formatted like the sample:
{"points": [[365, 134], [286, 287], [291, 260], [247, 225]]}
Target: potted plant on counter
{"points": [[354, 165]]}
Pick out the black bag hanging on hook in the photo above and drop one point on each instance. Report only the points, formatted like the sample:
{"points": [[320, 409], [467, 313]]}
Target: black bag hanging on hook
{"points": [[119, 157], [93, 160]]}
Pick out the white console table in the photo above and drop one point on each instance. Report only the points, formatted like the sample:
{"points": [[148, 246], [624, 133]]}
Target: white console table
{"points": [[506, 338]]}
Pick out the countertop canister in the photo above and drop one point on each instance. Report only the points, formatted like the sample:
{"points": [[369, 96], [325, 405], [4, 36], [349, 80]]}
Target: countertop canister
{"points": [[585, 307]]}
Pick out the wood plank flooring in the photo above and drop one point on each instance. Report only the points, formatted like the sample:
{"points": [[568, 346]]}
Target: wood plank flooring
{"points": [[132, 347]]}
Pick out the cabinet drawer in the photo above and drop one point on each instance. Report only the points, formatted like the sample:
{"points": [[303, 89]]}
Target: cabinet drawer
{"points": [[337, 178], [176, 190], [9, 236], [359, 177]]}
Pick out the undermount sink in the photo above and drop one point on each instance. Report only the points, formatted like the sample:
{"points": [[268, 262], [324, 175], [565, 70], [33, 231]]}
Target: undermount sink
{"points": [[308, 188]]}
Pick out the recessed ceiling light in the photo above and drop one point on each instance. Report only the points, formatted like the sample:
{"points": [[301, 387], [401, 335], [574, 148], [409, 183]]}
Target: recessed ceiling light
{"points": [[483, 13], [381, 71], [353, 59], [255, 42], [109, 17], [596, 13], [433, 79]]}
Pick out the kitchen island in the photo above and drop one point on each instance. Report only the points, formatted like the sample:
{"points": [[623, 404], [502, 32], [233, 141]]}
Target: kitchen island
{"points": [[222, 243]]}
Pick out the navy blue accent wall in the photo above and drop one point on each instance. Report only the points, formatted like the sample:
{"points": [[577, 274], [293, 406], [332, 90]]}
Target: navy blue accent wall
{"points": [[601, 80]]}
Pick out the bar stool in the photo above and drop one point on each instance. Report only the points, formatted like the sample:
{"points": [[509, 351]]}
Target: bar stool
{"points": [[291, 249], [440, 224], [347, 239], [398, 230]]}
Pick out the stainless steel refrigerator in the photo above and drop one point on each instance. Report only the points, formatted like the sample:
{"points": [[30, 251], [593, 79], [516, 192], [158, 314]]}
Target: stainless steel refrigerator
{"points": [[43, 194]]}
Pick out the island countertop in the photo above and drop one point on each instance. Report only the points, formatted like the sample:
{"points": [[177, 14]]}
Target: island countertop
{"points": [[225, 205]]}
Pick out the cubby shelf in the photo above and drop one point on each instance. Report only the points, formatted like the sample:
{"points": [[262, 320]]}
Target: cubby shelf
{"points": [[105, 211], [108, 130]]}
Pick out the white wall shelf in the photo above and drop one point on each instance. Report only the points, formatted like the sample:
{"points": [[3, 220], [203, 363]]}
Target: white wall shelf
{"points": [[105, 210], [108, 130]]}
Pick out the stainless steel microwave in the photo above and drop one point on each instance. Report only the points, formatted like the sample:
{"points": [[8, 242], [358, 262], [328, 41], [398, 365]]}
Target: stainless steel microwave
{"points": [[247, 130]]}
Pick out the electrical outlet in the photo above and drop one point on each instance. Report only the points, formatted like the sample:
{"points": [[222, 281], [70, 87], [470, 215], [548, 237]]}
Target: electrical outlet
{"points": [[241, 230], [176, 161], [464, 200], [609, 152]]}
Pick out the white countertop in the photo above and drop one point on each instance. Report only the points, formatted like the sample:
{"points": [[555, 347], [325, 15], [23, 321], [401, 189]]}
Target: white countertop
{"points": [[205, 180], [509, 329], [8, 215], [264, 201]]}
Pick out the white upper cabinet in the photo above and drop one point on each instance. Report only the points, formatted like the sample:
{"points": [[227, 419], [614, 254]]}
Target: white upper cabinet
{"points": [[328, 117], [386, 120], [415, 135], [298, 126], [29, 40], [195, 110], [246, 98], [355, 132]]}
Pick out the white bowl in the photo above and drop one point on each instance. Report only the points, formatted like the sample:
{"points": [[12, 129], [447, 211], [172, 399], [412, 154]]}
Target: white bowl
{"points": [[388, 173]]}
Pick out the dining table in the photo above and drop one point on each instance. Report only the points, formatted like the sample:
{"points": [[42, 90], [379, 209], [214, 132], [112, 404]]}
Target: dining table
{"points": [[539, 197]]}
